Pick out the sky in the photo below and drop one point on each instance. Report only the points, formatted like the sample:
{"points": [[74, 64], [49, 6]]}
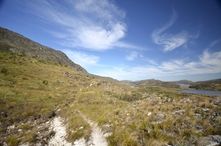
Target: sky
{"points": [[168, 40]]}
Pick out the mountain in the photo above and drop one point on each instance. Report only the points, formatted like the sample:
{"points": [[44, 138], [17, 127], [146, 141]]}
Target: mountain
{"points": [[214, 85], [16, 43], [184, 82], [153, 82], [215, 81]]}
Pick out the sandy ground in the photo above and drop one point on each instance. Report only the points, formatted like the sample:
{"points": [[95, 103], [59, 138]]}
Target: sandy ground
{"points": [[60, 133], [97, 137]]}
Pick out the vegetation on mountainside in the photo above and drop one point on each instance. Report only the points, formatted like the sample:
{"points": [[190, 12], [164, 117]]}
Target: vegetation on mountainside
{"points": [[154, 82], [16, 43], [206, 86], [33, 91]]}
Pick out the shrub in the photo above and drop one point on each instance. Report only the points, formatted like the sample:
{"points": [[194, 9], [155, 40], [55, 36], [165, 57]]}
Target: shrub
{"points": [[4, 70], [47, 113], [45, 82], [13, 141], [77, 134]]}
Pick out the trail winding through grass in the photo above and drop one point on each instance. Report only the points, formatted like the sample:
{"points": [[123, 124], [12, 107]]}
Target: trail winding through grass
{"points": [[97, 137], [60, 133]]}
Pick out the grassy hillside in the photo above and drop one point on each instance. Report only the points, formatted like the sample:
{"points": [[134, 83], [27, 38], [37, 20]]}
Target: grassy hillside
{"points": [[154, 82], [18, 44], [33, 91]]}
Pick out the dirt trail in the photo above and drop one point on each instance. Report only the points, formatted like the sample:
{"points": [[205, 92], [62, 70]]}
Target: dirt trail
{"points": [[60, 133], [97, 137]]}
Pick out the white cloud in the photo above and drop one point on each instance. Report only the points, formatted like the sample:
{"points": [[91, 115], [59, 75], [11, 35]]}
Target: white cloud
{"points": [[82, 59], [208, 62], [89, 24], [215, 42], [211, 59], [133, 55], [171, 65], [169, 41]]}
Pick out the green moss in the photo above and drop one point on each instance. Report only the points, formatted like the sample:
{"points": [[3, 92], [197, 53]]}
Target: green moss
{"points": [[13, 141], [47, 113]]}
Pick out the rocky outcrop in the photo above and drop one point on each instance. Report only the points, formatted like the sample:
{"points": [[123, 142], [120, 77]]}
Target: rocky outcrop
{"points": [[16, 43]]}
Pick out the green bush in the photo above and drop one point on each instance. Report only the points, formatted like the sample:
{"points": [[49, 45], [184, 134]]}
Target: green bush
{"points": [[13, 141], [45, 82], [47, 113], [4, 70]]}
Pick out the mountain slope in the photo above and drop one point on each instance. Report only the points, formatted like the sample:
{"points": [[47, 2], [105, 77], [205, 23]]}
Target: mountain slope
{"points": [[214, 85], [16, 43], [153, 82]]}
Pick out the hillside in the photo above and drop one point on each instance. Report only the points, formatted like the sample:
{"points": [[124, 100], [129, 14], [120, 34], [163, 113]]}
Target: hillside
{"points": [[214, 85], [184, 82], [153, 82], [43, 101], [16, 43], [215, 81]]}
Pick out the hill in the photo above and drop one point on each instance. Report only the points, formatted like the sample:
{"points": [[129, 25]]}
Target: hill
{"points": [[16, 43], [215, 81], [214, 85], [153, 82], [184, 82]]}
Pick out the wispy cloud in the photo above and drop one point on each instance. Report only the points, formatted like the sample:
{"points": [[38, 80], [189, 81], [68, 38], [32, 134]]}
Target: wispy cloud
{"points": [[215, 42], [90, 24], [169, 41], [133, 55], [83, 59], [172, 65], [208, 62]]}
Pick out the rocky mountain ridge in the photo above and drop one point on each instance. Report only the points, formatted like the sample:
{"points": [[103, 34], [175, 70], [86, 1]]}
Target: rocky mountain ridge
{"points": [[16, 43]]}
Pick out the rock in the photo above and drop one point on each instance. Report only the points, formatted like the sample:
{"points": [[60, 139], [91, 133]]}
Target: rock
{"points": [[159, 116], [4, 114], [216, 101], [179, 112], [212, 140]]}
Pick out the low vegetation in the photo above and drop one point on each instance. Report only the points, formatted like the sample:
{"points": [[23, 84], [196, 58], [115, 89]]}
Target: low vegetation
{"points": [[33, 91], [207, 86]]}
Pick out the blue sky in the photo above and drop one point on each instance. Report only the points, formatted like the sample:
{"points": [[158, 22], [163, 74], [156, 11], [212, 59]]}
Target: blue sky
{"points": [[126, 40]]}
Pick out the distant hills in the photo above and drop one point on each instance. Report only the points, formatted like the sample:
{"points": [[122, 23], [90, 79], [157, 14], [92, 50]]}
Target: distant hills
{"points": [[207, 85], [16, 43], [215, 81], [185, 82], [154, 82], [203, 85]]}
